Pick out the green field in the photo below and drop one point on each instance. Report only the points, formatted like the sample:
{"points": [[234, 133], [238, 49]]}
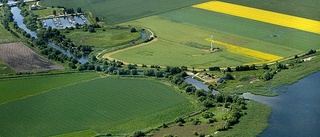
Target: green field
{"points": [[302, 8], [102, 39], [13, 89], [104, 105], [171, 54], [5, 68], [114, 11], [5, 36], [176, 28], [249, 33]]}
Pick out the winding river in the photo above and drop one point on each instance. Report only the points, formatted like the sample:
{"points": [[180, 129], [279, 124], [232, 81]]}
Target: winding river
{"points": [[17, 17], [296, 112]]}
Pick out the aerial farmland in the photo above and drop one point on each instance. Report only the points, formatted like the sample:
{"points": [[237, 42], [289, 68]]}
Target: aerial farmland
{"points": [[94, 68]]}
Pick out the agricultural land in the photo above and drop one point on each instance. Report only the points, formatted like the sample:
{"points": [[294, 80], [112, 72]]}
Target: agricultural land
{"points": [[22, 59], [124, 74], [113, 11]]}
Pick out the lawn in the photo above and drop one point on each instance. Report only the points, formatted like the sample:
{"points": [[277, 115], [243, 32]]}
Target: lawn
{"points": [[306, 8], [104, 105], [5, 36], [102, 39], [13, 89], [114, 11], [165, 53]]}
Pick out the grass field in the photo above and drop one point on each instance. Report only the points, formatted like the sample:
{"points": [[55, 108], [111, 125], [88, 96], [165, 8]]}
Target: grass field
{"points": [[5, 36], [104, 105], [165, 53], [5, 68], [306, 8], [102, 39], [262, 15], [13, 89], [114, 11]]}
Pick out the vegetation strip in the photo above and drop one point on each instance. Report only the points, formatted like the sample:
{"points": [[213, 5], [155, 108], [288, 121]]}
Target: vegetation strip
{"points": [[264, 57], [262, 15]]}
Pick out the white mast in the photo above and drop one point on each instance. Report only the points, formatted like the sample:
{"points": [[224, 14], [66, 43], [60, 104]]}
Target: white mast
{"points": [[212, 41]]}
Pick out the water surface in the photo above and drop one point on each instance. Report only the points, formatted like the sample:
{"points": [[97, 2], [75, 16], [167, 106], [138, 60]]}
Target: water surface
{"points": [[296, 112]]}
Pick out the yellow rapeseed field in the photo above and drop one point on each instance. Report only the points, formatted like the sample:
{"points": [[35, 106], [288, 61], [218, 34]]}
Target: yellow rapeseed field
{"points": [[262, 15], [264, 57]]}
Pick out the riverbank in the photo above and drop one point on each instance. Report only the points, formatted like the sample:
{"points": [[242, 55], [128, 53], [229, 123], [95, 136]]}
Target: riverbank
{"points": [[294, 112], [251, 124], [297, 69]]}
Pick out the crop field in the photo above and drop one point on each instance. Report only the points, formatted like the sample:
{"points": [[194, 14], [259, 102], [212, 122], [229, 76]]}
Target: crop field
{"points": [[102, 39], [114, 105], [264, 57], [23, 59], [5, 36], [114, 11], [306, 8], [248, 33], [262, 15], [13, 89], [191, 24]]}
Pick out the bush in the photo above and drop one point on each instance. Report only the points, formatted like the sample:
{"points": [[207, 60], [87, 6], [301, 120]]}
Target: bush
{"points": [[212, 120], [138, 134], [207, 114]]}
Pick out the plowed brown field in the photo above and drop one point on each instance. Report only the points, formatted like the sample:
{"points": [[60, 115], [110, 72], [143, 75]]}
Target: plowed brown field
{"points": [[23, 59]]}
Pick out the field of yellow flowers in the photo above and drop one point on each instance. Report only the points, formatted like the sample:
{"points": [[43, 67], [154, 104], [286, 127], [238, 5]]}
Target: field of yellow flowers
{"points": [[262, 15], [263, 57]]}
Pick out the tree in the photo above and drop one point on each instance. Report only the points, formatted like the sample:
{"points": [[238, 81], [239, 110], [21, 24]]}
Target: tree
{"points": [[133, 30], [229, 76], [184, 68], [97, 19], [79, 10], [211, 87], [138, 134], [267, 76], [229, 69], [265, 66], [54, 12]]}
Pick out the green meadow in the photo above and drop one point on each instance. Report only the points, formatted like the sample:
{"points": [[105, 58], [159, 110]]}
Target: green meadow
{"points": [[102, 38], [165, 53], [103, 105]]}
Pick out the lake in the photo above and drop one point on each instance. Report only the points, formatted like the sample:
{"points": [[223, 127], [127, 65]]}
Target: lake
{"points": [[296, 112]]}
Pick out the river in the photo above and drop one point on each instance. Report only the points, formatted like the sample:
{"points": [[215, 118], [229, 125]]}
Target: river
{"points": [[296, 112], [17, 17], [199, 85]]}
